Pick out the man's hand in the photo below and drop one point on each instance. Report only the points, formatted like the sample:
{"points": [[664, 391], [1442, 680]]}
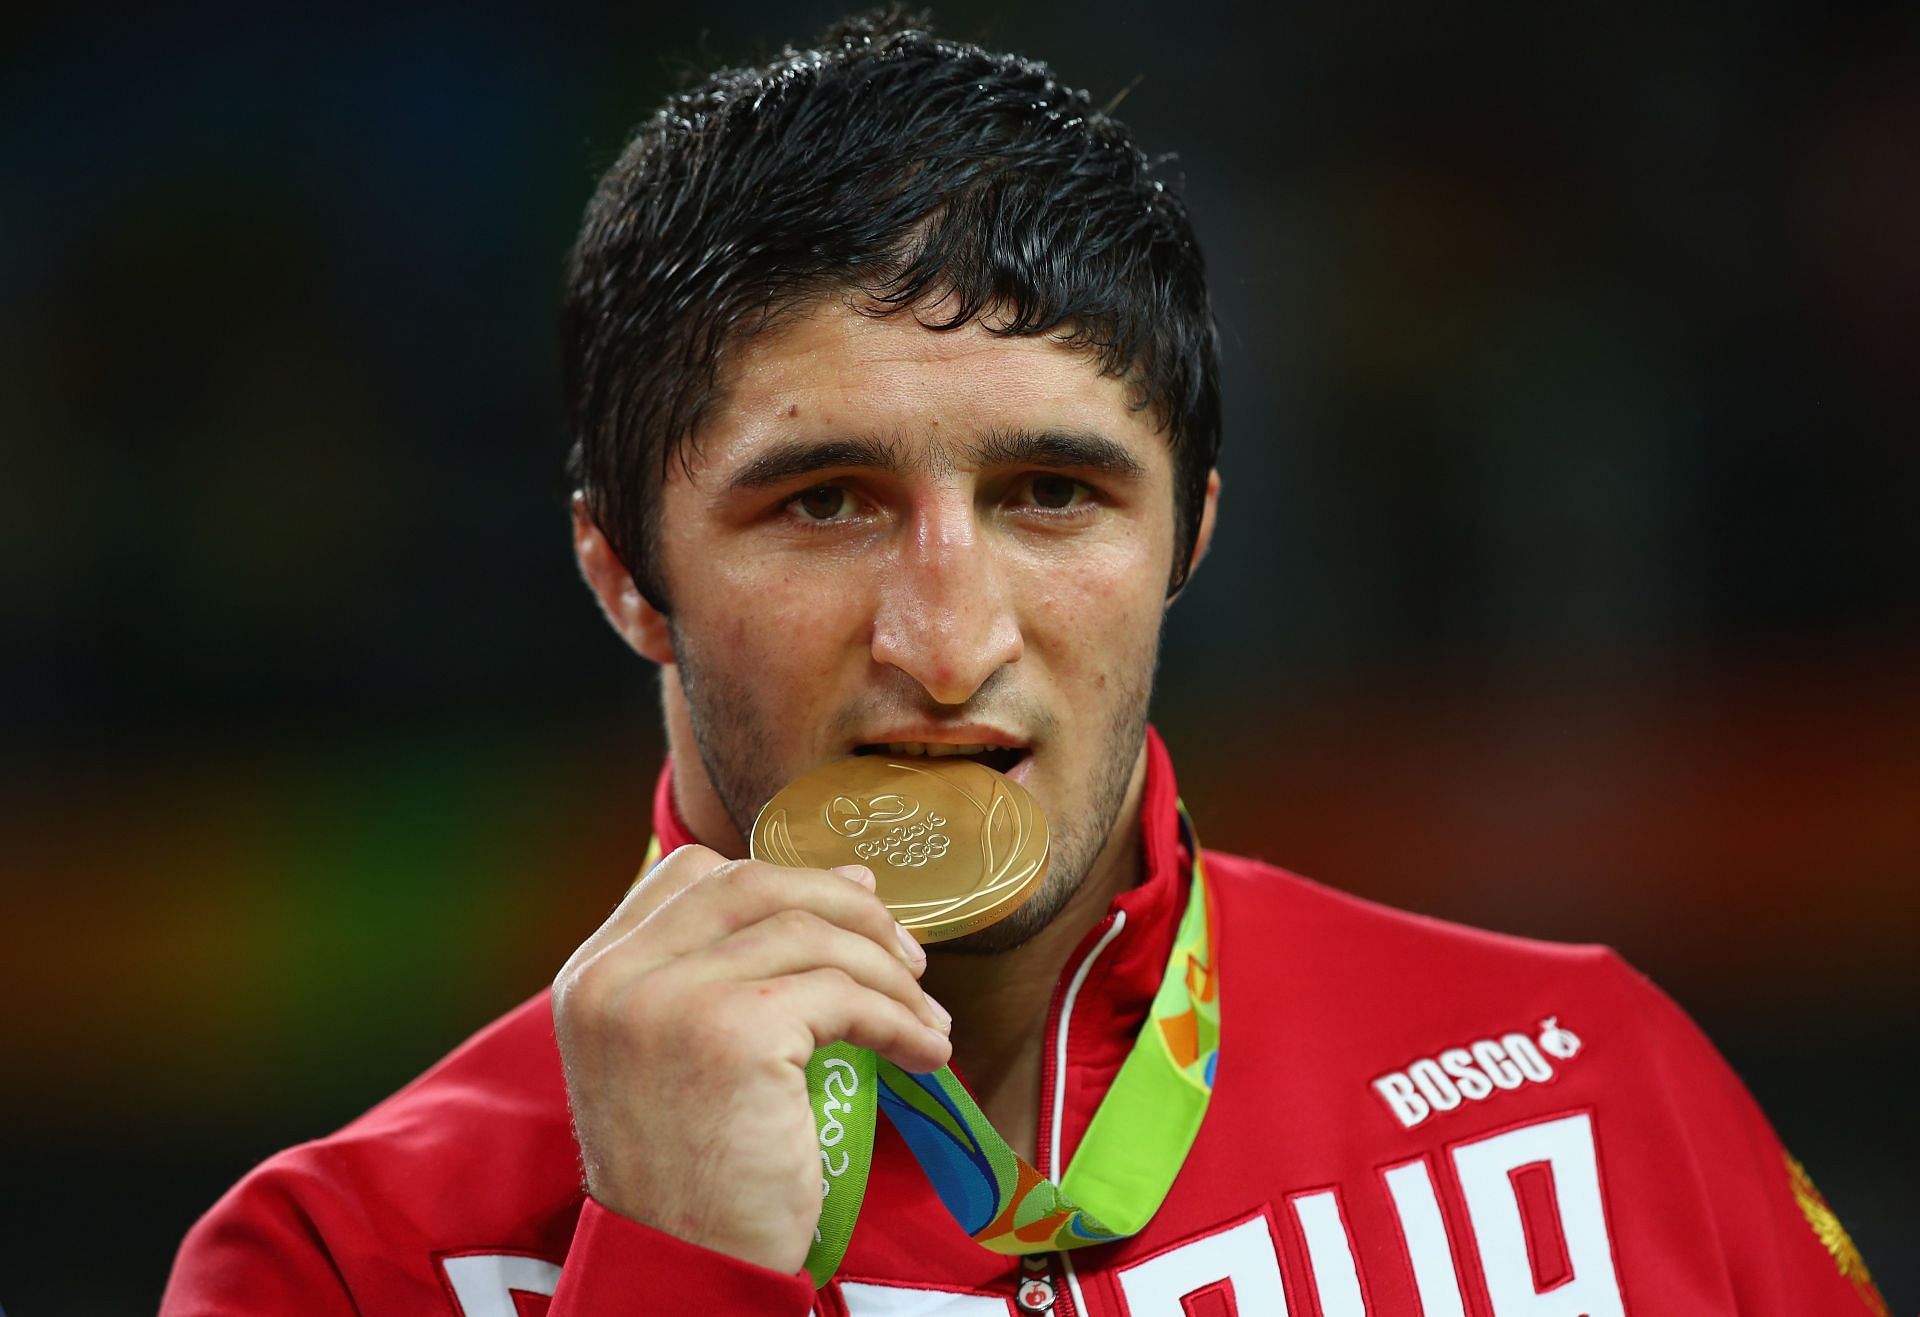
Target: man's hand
{"points": [[685, 1024]]}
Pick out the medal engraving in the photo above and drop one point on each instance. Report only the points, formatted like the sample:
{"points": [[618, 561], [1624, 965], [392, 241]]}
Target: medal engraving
{"points": [[953, 845]]}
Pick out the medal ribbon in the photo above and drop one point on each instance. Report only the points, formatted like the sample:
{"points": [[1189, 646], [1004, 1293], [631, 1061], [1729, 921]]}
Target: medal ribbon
{"points": [[1126, 1162]]}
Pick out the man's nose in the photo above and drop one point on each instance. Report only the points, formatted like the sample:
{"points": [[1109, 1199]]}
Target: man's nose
{"points": [[946, 617]]}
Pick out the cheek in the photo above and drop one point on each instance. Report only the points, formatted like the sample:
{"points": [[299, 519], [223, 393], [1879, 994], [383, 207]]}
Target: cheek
{"points": [[774, 628], [1097, 622]]}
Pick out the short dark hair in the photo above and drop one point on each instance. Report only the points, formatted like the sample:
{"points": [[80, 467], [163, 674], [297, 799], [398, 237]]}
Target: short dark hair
{"points": [[885, 162]]}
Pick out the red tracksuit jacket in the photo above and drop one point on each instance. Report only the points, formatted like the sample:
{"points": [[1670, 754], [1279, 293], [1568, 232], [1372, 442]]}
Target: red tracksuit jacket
{"points": [[1409, 1117]]}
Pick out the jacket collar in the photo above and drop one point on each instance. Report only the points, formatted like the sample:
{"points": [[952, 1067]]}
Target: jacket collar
{"points": [[1119, 985]]}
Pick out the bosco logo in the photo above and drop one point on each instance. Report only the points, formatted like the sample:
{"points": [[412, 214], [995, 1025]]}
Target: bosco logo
{"points": [[1558, 1042], [1474, 1072]]}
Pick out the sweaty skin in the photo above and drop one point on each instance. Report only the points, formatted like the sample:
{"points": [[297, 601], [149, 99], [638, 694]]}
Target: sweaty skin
{"points": [[884, 533]]}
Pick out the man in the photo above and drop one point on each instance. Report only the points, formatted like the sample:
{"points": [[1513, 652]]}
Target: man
{"points": [[894, 386]]}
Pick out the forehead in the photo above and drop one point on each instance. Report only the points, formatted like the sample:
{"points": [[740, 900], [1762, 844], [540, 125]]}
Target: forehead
{"points": [[838, 371]]}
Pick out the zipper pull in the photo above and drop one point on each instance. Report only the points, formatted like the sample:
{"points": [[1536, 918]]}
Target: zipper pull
{"points": [[1035, 1294]]}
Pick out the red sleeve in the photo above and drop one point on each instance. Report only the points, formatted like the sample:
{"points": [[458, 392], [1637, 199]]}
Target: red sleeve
{"points": [[256, 1251], [283, 1242], [614, 1260], [1785, 1250]]}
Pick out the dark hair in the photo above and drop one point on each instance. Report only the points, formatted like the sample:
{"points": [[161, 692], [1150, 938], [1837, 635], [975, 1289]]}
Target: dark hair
{"points": [[890, 163]]}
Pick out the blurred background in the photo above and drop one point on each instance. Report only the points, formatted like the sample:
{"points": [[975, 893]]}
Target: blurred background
{"points": [[1566, 584]]}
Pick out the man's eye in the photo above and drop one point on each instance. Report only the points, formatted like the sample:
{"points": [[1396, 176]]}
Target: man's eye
{"points": [[1056, 493], [823, 503]]}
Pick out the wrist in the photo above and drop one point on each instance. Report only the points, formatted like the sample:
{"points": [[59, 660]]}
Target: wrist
{"points": [[707, 1229]]}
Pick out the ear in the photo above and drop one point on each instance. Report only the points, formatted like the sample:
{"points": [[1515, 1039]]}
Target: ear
{"points": [[639, 623], [1203, 538]]}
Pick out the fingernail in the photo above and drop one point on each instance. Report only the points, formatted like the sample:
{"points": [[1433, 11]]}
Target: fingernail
{"points": [[942, 1019], [916, 954], [860, 873]]}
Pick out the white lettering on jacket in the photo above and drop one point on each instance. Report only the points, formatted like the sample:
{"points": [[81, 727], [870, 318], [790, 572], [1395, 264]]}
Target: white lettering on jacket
{"points": [[1545, 1253], [484, 1284], [1242, 1256], [1582, 1283], [1474, 1072], [1548, 1254]]}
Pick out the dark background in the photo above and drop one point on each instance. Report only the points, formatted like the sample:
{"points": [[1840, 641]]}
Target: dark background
{"points": [[1566, 581]]}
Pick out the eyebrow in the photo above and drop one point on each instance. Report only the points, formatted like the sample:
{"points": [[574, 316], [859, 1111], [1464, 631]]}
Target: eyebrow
{"points": [[1080, 450], [788, 461]]}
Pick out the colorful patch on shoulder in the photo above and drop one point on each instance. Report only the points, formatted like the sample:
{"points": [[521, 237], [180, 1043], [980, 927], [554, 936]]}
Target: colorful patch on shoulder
{"points": [[1833, 1236]]}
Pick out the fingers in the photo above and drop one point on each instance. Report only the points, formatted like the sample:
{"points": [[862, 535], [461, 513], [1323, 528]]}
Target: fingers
{"points": [[669, 876], [735, 895], [820, 937], [834, 1009], [672, 874], [796, 941], [706, 992]]}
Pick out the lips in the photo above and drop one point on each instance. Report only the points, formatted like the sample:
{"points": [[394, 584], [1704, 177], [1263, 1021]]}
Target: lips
{"points": [[1000, 758]]}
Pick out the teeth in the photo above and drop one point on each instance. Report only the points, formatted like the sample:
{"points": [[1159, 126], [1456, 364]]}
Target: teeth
{"points": [[933, 750]]}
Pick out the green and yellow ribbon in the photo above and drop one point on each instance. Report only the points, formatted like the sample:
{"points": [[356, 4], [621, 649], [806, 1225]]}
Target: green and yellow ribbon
{"points": [[1126, 1162]]}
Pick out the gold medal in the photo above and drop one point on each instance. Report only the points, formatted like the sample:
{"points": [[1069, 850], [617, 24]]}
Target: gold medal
{"points": [[953, 845]]}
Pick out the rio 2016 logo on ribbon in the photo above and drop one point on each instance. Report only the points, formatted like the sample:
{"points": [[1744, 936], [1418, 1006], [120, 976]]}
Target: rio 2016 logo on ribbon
{"points": [[842, 1079], [842, 1082]]}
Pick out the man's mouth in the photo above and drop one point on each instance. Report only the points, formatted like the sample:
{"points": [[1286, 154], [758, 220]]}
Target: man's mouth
{"points": [[1000, 758]]}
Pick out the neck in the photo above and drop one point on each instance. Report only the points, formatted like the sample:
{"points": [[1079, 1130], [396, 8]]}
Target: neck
{"points": [[1000, 1002]]}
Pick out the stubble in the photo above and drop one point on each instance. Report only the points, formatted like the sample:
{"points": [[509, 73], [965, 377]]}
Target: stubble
{"points": [[730, 731]]}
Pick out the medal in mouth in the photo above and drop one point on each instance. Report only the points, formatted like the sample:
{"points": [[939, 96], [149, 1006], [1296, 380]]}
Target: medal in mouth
{"points": [[954, 845], [1000, 758]]}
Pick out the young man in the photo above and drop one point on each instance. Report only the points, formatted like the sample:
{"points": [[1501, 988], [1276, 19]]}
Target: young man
{"points": [[894, 384]]}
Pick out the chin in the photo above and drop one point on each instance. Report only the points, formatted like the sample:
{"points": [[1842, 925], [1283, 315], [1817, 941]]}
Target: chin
{"points": [[1018, 928]]}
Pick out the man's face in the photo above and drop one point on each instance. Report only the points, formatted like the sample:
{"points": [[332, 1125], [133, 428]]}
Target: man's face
{"points": [[890, 535]]}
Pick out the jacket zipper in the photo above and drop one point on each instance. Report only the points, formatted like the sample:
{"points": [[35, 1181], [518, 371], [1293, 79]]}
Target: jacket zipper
{"points": [[1058, 1302], [1039, 1293]]}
